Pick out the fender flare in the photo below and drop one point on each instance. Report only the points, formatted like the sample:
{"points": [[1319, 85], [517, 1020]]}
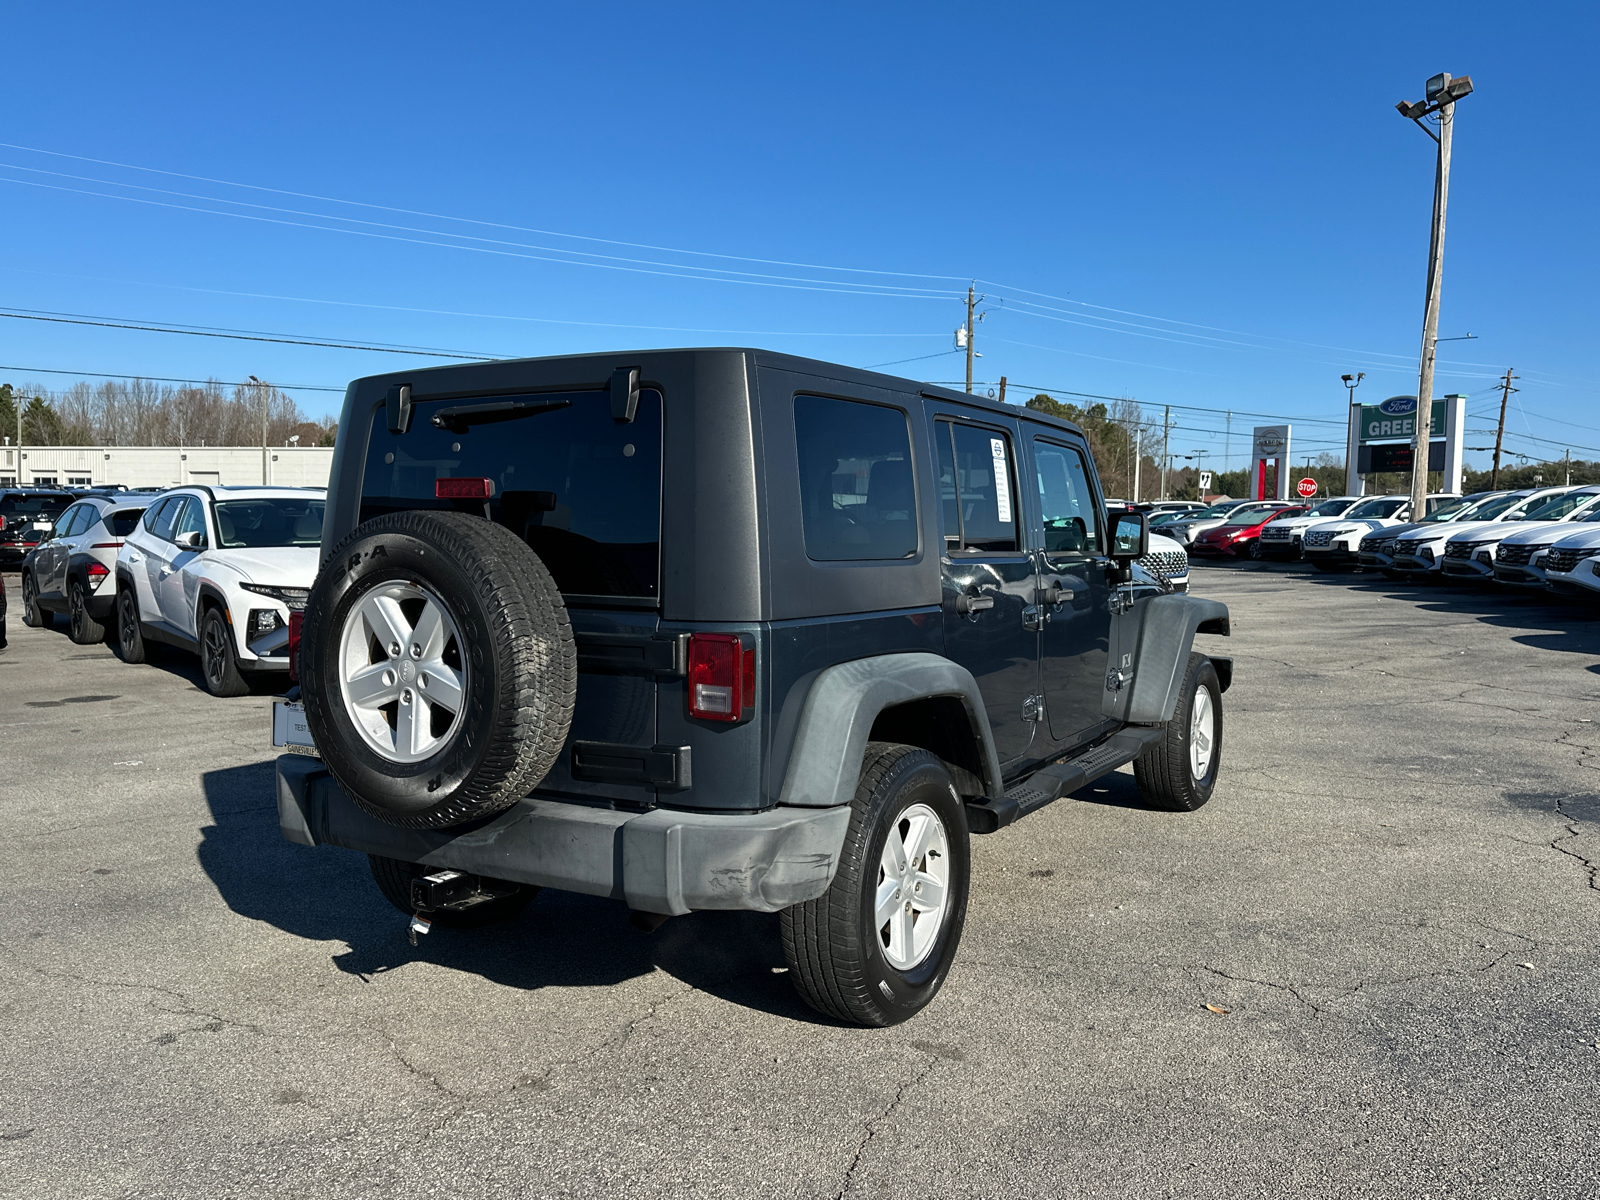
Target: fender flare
{"points": [[1162, 636], [844, 700]]}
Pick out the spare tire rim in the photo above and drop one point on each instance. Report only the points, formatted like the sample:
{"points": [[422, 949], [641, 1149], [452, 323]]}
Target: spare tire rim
{"points": [[1202, 733], [402, 672], [913, 887]]}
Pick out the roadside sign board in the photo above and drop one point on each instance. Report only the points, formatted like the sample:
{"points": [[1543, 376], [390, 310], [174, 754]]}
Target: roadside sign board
{"points": [[1307, 488], [1396, 417]]}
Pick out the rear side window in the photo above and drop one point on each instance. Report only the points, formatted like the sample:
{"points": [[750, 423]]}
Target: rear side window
{"points": [[71, 521], [977, 500], [583, 490], [124, 521], [857, 488]]}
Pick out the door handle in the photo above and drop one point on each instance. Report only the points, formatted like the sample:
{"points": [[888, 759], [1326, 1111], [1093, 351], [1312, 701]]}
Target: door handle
{"points": [[969, 606], [1052, 595]]}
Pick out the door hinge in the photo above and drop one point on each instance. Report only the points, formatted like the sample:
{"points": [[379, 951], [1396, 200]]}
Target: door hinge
{"points": [[1033, 708]]}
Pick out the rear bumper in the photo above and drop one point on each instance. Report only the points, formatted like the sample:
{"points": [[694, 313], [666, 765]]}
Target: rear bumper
{"points": [[662, 861]]}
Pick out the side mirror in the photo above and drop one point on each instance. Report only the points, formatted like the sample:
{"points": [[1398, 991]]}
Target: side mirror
{"points": [[193, 540], [1130, 537]]}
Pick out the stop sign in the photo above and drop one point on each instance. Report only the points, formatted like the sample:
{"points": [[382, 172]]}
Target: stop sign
{"points": [[1307, 488]]}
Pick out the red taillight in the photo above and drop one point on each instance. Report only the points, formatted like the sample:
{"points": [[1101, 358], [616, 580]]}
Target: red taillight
{"points": [[722, 677], [106, 546], [297, 618], [463, 489], [97, 571]]}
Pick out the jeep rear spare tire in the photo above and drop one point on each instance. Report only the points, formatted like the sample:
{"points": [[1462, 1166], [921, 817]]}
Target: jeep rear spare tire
{"points": [[437, 668]]}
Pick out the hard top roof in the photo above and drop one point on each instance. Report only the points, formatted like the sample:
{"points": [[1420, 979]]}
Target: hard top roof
{"points": [[609, 360]]}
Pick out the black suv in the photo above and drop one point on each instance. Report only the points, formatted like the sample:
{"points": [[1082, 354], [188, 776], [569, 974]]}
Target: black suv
{"points": [[727, 629], [26, 517]]}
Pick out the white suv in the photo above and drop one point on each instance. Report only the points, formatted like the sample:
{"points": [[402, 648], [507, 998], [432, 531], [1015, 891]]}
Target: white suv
{"points": [[217, 570]]}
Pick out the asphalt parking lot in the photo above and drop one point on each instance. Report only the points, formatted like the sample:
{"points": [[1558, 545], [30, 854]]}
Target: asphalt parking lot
{"points": [[1391, 900]]}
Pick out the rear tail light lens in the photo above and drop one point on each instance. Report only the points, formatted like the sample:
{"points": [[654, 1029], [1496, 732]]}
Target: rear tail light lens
{"points": [[97, 571], [106, 546], [463, 489], [296, 620], [722, 677]]}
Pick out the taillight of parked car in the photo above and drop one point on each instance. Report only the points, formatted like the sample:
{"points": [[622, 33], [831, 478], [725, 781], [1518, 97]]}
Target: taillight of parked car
{"points": [[297, 618], [97, 573], [106, 546], [722, 677]]}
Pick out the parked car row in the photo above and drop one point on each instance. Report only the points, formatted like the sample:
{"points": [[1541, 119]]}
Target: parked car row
{"points": [[215, 571]]}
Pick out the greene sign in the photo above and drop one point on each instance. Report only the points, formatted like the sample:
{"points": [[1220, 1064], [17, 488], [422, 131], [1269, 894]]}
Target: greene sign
{"points": [[1396, 417]]}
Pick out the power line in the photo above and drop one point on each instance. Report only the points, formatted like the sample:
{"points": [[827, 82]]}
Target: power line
{"points": [[237, 335], [299, 387]]}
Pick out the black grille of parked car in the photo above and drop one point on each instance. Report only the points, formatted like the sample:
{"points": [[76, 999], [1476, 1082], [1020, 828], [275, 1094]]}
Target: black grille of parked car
{"points": [[1377, 544], [1168, 564], [1313, 540], [1459, 549], [1514, 556], [1281, 533], [1563, 560]]}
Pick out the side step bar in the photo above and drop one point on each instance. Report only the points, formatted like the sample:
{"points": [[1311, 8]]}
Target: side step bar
{"points": [[985, 815]]}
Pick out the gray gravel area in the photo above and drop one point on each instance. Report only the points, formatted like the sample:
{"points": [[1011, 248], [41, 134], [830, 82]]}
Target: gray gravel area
{"points": [[1390, 907]]}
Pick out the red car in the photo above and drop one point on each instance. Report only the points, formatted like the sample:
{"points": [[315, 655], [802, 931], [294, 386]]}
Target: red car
{"points": [[1241, 532]]}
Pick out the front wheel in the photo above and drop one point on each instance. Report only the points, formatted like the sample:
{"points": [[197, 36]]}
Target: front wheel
{"points": [[1255, 550], [1179, 772], [875, 947], [217, 661], [32, 612]]}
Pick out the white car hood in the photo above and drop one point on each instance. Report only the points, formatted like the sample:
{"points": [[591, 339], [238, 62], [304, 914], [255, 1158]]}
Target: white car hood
{"points": [[1494, 531], [1354, 525], [1425, 534], [1543, 533], [279, 566], [1583, 535]]}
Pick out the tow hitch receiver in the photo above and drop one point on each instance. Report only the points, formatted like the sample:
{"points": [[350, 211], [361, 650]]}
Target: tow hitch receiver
{"points": [[454, 891]]}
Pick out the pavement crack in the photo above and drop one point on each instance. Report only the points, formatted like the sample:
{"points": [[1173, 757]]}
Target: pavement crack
{"points": [[872, 1124], [1316, 1010], [1571, 823]]}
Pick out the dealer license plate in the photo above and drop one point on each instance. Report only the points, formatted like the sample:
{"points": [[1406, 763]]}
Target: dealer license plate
{"points": [[289, 729]]}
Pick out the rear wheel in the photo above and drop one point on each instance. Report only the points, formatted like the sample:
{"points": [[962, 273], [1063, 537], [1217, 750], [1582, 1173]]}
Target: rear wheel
{"points": [[130, 637], [1179, 772], [217, 661], [85, 630], [32, 613], [875, 948], [394, 877]]}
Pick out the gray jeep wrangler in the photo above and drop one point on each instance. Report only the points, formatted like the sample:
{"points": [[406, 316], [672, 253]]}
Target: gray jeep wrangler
{"points": [[727, 629]]}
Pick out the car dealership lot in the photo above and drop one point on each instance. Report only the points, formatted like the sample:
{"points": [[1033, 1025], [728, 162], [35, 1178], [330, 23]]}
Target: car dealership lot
{"points": [[1391, 897]]}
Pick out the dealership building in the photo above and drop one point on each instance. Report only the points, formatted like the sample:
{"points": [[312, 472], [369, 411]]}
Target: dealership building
{"points": [[163, 466]]}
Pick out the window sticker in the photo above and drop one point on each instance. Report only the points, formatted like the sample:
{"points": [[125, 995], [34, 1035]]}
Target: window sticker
{"points": [[1002, 485]]}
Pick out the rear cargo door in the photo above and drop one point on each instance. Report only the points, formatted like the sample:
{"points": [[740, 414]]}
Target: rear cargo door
{"points": [[581, 485]]}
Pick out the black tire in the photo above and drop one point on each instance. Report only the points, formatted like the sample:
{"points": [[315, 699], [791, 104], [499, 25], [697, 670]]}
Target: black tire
{"points": [[82, 628], [1254, 549], [394, 877], [219, 665], [130, 637], [33, 614], [836, 955], [516, 649], [1164, 772]]}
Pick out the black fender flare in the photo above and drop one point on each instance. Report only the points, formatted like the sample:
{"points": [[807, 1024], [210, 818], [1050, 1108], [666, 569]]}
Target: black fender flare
{"points": [[1155, 640], [843, 702]]}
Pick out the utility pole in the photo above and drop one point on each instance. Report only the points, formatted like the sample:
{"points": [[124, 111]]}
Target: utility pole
{"points": [[261, 391], [1569, 467], [1499, 430], [1138, 457], [1227, 444], [973, 300], [1441, 95], [1166, 439], [1002, 388]]}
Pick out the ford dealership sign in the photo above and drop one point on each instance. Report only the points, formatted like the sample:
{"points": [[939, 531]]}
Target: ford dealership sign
{"points": [[1398, 406]]}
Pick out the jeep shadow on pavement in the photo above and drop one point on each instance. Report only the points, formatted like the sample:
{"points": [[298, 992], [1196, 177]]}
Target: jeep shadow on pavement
{"points": [[727, 629]]}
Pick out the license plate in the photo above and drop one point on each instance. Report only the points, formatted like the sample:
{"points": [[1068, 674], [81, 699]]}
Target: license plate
{"points": [[289, 729]]}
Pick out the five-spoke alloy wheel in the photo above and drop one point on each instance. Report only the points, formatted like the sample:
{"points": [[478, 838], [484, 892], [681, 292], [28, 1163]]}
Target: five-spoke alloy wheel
{"points": [[402, 673]]}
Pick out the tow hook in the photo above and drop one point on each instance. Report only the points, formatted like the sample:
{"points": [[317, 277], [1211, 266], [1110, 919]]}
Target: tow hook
{"points": [[419, 924]]}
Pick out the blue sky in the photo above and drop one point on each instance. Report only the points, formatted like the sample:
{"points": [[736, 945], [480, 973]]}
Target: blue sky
{"points": [[1215, 211]]}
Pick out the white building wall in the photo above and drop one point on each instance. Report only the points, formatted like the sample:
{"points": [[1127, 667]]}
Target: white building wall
{"points": [[165, 466]]}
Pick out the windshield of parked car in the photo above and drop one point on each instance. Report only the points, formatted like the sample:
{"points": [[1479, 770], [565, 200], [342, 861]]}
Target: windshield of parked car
{"points": [[1557, 507], [1207, 514], [1167, 518], [1378, 506], [1251, 516], [269, 522], [1450, 510], [1330, 508], [21, 504], [1491, 508]]}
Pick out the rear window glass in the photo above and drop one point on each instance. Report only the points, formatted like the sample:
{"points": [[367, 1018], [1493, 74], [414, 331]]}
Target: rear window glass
{"points": [[124, 521], [23, 505], [583, 490], [858, 493]]}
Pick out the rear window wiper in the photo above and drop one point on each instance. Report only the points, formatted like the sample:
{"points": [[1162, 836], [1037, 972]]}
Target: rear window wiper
{"points": [[458, 419]]}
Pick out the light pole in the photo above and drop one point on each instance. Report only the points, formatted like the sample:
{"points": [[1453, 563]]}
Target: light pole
{"points": [[1441, 94], [1352, 441]]}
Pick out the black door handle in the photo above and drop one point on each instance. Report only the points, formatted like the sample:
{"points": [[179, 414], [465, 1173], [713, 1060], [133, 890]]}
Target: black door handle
{"points": [[973, 604]]}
